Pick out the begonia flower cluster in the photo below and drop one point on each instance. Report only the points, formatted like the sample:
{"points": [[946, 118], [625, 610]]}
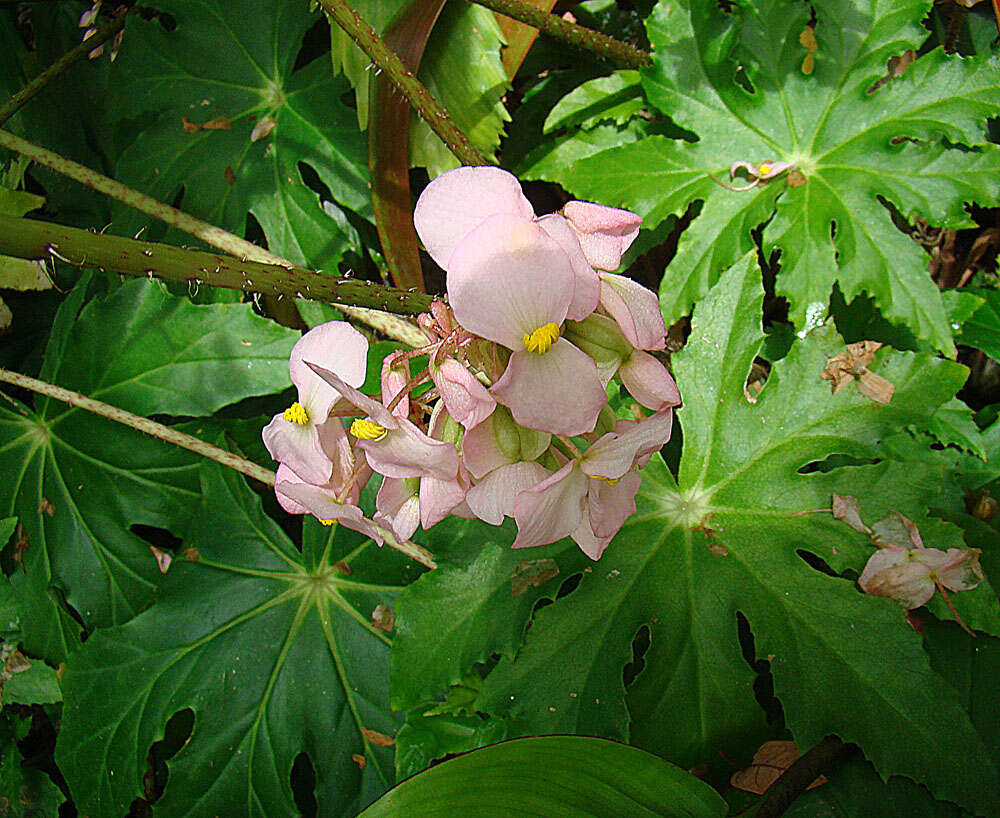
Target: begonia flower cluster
{"points": [[516, 422]]}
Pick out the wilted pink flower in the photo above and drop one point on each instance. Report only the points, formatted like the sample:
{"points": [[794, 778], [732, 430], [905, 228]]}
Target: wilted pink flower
{"points": [[494, 287], [605, 233], [303, 437], [910, 575]]}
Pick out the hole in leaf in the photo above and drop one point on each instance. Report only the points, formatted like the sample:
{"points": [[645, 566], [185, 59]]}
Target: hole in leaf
{"points": [[178, 198], [742, 79], [303, 781], [310, 178], [159, 537], [763, 686], [168, 21], [816, 562], [640, 644], [315, 43], [569, 585], [175, 735], [835, 461], [253, 232]]}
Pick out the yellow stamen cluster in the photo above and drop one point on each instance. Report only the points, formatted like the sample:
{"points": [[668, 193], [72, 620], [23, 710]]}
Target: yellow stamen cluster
{"points": [[296, 413], [542, 338], [327, 522], [368, 430], [611, 481], [763, 169]]}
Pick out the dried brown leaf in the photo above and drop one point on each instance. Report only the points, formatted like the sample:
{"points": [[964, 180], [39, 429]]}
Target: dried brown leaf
{"points": [[769, 762], [532, 573], [378, 739], [383, 618]]}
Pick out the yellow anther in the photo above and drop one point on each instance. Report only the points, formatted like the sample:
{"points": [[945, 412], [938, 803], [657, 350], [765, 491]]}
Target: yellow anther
{"points": [[368, 430], [542, 338], [763, 169], [611, 481], [296, 413], [327, 522]]}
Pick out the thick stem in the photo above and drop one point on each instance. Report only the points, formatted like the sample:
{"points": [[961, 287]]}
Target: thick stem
{"points": [[571, 33], [794, 781], [16, 102], [390, 325], [409, 86], [165, 433], [31, 239]]}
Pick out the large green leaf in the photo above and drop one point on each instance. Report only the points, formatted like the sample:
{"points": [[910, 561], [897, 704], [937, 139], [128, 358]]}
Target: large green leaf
{"points": [[274, 651], [726, 539], [78, 482], [236, 60], [571, 776], [736, 79]]}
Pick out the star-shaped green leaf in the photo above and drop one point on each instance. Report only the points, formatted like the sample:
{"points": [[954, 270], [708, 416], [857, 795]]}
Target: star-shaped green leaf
{"points": [[273, 650], [231, 66], [741, 81]]}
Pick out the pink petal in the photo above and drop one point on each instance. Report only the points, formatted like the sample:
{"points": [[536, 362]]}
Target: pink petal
{"points": [[498, 441], [395, 377], [558, 391], [407, 452], [587, 284], [493, 498], [372, 408], [551, 510], [299, 447], [649, 382], [590, 544], [458, 201], [437, 498], [610, 506], [319, 503], [398, 503], [495, 280], [960, 571], [336, 346], [466, 399], [636, 309], [605, 232], [286, 475], [616, 452]]}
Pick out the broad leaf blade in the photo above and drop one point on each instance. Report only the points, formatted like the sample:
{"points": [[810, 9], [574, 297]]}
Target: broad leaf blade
{"points": [[273, 658], [552, 775]]}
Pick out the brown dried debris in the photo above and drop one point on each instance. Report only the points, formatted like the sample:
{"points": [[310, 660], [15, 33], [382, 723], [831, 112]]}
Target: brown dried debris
{"points": [[851, 366]]}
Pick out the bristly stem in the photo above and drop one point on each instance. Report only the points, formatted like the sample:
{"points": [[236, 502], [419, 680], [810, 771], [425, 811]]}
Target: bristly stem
{"points": [[16, 102], [149, 427], [571, 33], [429, 109], [390, 325], [31, 239], [193, 444]]}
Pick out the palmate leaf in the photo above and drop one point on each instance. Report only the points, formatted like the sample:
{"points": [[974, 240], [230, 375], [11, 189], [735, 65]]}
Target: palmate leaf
{"points": [[236, 60], [724, 540], [273, 650], [78, 482], [736, 79]]}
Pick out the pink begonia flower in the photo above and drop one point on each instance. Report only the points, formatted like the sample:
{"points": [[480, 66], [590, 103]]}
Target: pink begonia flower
{"points": [[350, 476], [605, 233], [468, 401], [321, 503], [398, 505], [457, 202], [395, 447], [499, 441], [648, 381], [440, 497], [601, 338], [494, 285], [301, 436], [591, 496], [636, 309], [493, 498], [910, 576]]}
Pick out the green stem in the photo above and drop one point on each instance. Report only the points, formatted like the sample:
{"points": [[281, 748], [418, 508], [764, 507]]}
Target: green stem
{"points": [[31, 239], [409, 86], [571, 33], [149, 427], [390, 325], [193, 444], [16, 102], [794, 781]]}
